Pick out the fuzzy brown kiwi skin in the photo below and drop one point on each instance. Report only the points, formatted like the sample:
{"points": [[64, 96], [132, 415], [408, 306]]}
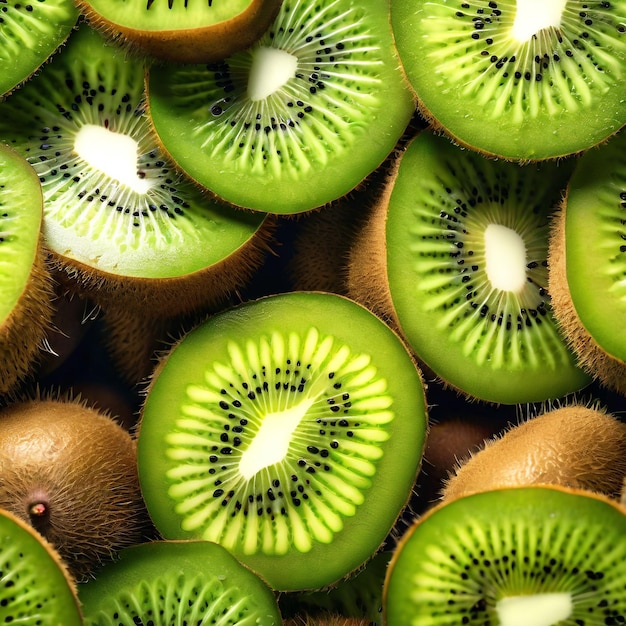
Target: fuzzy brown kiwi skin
{"points": [[192, 45], [70, 472], [611, 372], [326, 620], [577, 446]]}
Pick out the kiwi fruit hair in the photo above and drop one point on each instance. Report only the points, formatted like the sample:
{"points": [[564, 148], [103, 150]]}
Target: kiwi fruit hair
{"points": [[586, 263], [522, 81], [541, 555], [35, 586], [455, 257], [574, 445], [328, 619], [182, 32], [70, 471], [281, 428]]}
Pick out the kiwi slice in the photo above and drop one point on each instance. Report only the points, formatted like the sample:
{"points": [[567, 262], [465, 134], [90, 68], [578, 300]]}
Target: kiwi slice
{"points": [[25, 284], [177, 583], [463, 243], [70, 471], [183, 31], [574, 445], [121, 221], [35, 587], [31, 32], [290, 430], [295, 121], [546, 556], [588, 266], [520, 80]]}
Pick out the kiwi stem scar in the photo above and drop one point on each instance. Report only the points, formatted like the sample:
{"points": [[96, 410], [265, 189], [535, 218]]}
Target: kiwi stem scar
{"points": [[532, 16], [38, 509]]}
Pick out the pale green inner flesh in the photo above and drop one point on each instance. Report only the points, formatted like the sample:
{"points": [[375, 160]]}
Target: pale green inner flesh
{"points": [[20, 226], [505, 258], [159, 15], [541, 609], [275, 414], [270, 70], [532, 16]]}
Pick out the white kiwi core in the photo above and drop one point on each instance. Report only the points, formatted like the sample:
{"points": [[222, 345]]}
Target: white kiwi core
{"points": [[532, 16], [113, 154], [271, 443], [271, 69], [505, 254], [542, 609]]}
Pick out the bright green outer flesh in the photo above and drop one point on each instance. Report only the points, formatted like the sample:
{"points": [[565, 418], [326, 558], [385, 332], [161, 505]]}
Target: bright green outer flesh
{"points": [[34, 590], [191, 582], [595, 244], [309, 543], [171, 229], [434, 269], [578, 539], [21, 209], [197, 13], [461, 81], [29, 33], [331, 125]]}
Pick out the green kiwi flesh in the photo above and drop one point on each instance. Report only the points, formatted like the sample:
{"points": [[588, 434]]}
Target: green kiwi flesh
{"points": [[177, 583], [31, 32], [297, 120], [467, 243], [589, 292], [113, 207], [519, 80], [545, 556], [290, 430], [183, 32], [35, 588]]}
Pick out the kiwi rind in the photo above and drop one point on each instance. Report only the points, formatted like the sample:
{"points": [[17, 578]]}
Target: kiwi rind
{"points": [[509, 542], [183, 582], [171, 422], [560, 93]]}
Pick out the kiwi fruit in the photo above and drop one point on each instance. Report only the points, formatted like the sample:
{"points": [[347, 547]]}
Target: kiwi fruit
{"points": [[31, 32], [574, 445], [182, 31], [177, 583], [519, 80], [35, 587], [70, 472], [26, 289], [587, 264], [329, 619], [546, 556], [455, 256], [295, 121], [290, 430]]}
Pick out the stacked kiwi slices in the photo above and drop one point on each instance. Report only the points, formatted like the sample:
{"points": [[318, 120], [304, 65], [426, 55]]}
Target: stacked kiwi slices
{"points": [[288, 429]]}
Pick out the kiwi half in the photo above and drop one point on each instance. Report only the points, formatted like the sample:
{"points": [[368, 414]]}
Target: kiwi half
{"points": [[456, 255], [176, 583], [183, 31], [520, 80], [288, 429], [31, 32], [546, 556], [588, 264], [25, 283], [35, 587], [295, 121]]}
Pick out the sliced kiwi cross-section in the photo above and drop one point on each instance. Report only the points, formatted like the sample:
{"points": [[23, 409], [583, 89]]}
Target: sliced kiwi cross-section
{"points": [[290, 430], [298, 119], [546, 556], [524, 80]]}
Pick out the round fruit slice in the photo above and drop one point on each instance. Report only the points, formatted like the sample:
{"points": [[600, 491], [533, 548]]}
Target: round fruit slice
{"points": [[35, 588], [297, 120], [466, 247], [186, 32], [290, 430], [544, 556], [181, 582], [522, 80]]}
